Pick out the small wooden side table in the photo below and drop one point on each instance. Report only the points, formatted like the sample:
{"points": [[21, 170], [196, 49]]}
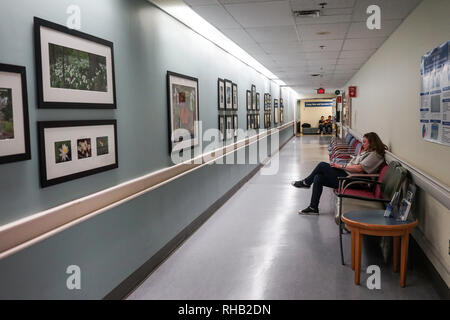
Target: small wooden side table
{"points": [[373, 223]]}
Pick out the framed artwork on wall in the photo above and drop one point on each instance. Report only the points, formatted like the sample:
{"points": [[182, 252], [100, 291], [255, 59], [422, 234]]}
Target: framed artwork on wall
{"points": [[235, 96], [235, 125], [73, 69], [229, 127], [249, 118], [253, 97], [228, 95], [258, 121], [257, 101], [249, 100], [182, 105], [73, 149], [222, 128], [221, 94], [14, 122], [275, 111], [281, 115]]}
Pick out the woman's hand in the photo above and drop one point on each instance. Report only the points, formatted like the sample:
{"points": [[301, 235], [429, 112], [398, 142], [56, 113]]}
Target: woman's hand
{"points": [[336, 165]]}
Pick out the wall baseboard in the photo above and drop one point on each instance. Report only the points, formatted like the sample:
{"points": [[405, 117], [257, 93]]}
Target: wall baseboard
{"points": [[127, 286]]}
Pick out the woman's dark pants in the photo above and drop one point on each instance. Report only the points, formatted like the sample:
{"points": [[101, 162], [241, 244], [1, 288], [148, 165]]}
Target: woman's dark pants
{"points": [[323, 175]]}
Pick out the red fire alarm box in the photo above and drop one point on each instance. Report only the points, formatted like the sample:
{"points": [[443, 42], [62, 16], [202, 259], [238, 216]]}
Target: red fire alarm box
{"points": [[339, 99], [352, 92], [320, 91]]}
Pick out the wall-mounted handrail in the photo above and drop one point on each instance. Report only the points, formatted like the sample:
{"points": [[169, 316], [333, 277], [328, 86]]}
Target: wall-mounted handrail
{"points": [[27, 231]]}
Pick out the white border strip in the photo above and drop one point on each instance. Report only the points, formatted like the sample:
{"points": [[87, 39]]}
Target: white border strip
{"points": [[436, 189], [30, 230]]}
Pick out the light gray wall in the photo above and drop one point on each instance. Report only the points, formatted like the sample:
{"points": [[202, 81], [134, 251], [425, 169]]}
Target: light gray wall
{"points": [[109, 247]]}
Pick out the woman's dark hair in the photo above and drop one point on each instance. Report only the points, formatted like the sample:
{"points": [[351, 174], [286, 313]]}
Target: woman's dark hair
{"points": [[375, 143]]}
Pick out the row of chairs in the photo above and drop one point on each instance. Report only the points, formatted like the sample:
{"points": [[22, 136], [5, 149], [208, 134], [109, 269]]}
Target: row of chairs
{"points": [[362, 191]]}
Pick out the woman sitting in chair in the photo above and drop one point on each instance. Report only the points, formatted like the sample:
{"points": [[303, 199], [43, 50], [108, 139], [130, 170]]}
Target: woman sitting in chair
{"points": [[369, 159]]}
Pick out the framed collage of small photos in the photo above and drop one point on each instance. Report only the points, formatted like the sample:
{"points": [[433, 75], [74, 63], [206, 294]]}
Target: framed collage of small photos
{"points": [[253, 107], [275, 112], [281, 110], [228, 106], [267, 110]]}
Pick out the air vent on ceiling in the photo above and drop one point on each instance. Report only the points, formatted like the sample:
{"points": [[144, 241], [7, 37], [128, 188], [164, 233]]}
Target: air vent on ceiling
{"points": [[307, 13]]}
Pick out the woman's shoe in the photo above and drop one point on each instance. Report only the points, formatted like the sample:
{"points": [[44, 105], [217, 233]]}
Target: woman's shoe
{"points": [[300, 184], [310, 210]]}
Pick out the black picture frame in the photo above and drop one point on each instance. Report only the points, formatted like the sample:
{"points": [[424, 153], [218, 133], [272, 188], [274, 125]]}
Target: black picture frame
{"points": [[248, 121], [45, 102], [42, 125], [235, 96], [258, 102], [258, 121], [249, 100], [275, 111], [235, 125], [194, 137], [221, 126], [253, 97], [221, 94], [229, 127], [228, 85], [13, 156]]}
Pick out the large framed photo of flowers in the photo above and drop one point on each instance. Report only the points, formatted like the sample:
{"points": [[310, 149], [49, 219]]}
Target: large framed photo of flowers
{"points": [[73, 149], [228, 94], [182, 103], [73, 69], [14, 123]]}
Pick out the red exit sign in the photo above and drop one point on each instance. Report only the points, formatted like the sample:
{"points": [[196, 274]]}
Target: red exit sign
{"points": [[321, 91]]}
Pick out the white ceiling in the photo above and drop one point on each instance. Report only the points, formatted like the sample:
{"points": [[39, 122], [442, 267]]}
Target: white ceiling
{"points": [[290, 47]]}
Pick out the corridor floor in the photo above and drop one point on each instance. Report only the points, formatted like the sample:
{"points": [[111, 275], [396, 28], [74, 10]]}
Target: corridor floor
{"points": [[256, 246]]}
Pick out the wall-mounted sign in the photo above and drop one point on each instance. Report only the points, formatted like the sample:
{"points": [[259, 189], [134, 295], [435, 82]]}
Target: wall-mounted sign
{"points": [[435, 95], [352, 92], [318, 104]]}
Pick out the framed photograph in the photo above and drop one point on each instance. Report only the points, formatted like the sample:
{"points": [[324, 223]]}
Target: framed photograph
{"points": [[281, 115], [221, 94], [229, 127], [235, 96], [182, 99], [253, 97], [73, 149], [228, 95], [235, 125], [14, 123], [281, 103], [249, 117], [257, 101], [249, 100], [73, 69], [275, 111], [222, 127], [267, 120], [258, 121]]}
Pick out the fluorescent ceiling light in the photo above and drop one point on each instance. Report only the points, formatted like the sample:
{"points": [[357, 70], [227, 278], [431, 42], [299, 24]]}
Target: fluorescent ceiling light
{"points": [[182, 12]]}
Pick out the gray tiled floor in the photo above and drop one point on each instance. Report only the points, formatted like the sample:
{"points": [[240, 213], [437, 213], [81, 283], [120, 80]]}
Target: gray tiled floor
{"points": [[256, 246]]}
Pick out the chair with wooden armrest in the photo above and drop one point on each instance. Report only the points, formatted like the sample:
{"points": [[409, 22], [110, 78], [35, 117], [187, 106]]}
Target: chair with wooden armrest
{"points": [[389, 180]]}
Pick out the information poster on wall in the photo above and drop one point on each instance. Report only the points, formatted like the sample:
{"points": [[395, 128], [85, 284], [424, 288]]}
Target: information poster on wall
{"points": [[435, 95]]}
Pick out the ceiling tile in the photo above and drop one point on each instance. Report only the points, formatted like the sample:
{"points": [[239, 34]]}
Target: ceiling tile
{"points": [[217, 16], [335, 31], [200, 2], [360, 30], [281, 47], [240, 36], [363, 44], [321, 55], [314, 4], [273, 34], [359, 60], [314, 46], [357, 53], [262, 14], [323, 19]]}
